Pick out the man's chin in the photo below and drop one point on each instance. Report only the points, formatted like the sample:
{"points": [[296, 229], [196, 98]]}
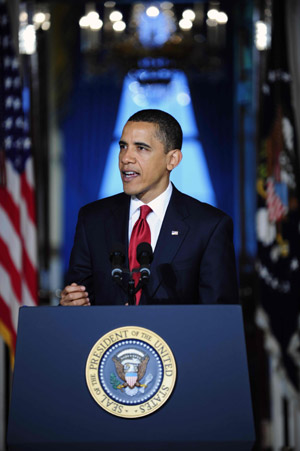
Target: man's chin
{"points": [[130, 190]]}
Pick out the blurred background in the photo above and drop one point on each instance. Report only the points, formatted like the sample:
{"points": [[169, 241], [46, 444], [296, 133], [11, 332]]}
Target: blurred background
{"points": [[71, 74]]}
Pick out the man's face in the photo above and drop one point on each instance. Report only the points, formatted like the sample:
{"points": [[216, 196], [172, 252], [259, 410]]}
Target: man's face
{"points": [[144, 165]]}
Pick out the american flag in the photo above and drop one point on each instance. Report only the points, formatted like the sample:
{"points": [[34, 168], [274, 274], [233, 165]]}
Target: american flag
{"points": [[276, 209], [18, 253]]}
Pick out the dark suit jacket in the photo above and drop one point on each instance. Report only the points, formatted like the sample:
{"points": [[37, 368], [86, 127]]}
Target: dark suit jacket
{"points": [[195, 266]]}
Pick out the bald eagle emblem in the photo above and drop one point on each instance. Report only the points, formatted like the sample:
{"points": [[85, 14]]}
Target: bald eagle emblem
{"points": [[131, 366]]}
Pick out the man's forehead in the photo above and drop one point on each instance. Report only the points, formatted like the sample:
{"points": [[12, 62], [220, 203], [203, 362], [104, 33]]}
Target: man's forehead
{"points": [[140, 125], [149, 129]]}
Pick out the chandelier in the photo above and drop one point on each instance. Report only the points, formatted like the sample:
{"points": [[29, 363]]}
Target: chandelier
{"points": [[150, 40]]}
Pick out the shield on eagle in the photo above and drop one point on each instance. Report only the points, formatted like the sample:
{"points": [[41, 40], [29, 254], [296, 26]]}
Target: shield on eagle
{"points": [[131, 366], [131, 379]]}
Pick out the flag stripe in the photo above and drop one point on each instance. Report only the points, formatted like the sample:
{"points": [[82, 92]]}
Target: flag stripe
{"points": [[13, 182], [11, 270], [29, 173], [28, 234], [9, 297], [11, 238], [11, 209], [27, 298], [30, 276], [28, 197]]}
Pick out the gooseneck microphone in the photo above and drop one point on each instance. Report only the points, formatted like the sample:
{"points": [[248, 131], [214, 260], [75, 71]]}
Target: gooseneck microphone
{"points": [[117, 259], [144, 256]]}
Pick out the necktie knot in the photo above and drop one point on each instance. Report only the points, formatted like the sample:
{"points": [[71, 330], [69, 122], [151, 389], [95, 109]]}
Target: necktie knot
{"points": [[144, 211]]}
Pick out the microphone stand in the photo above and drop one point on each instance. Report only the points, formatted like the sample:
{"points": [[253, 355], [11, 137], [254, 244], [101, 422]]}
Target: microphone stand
{"points": [[131, 292], [131, 289], [144, 257]]}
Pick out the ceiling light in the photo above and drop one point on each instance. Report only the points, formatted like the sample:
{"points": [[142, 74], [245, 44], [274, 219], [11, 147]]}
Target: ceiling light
{"points": [[166, 5], [115, 16], [23, 16], [189, 14], [152, 11], [119, 26], [211, 22], [222, 18], [183, 99], [46, 25], [212, 14], [84, 22], [96, 25], [92, 16], [262, 37], [185, 24], [39, 18], [94, 21], [27, 40]]}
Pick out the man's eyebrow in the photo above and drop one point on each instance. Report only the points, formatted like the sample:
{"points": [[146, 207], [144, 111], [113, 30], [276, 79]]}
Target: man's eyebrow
{"points": [[141, 144]]}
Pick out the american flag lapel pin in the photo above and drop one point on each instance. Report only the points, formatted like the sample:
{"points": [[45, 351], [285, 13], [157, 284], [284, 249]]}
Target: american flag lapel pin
{"points": [[174, 232]]}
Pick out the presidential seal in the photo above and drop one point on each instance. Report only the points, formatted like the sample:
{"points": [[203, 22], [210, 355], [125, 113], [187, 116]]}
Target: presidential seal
{"points": [[130, 372]]}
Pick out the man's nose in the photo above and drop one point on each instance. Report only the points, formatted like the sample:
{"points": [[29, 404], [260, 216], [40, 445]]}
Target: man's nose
{"points": [[127, 155]]}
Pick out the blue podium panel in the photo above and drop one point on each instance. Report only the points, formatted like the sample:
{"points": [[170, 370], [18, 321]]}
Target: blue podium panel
{"points": [[209, 409]]}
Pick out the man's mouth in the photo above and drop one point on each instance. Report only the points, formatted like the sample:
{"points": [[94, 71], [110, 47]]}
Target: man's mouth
{"points": [[129, 175]]}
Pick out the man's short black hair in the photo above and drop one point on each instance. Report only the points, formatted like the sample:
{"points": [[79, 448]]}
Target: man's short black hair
{"points": [[169, 131]]}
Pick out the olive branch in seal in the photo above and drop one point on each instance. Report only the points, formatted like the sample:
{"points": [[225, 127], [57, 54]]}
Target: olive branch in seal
{"points": [[115, 381]]}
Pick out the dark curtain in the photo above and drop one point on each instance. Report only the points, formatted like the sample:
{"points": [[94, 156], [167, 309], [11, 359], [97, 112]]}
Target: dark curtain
{"points": [[87, 134], [212, 102]]}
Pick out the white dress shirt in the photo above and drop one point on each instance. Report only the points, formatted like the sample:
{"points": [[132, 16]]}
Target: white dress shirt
{"points": [[155, 217]]}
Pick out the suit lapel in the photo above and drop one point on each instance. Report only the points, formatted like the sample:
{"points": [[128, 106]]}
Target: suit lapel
{"points": [[116, 227], [172, 234]]}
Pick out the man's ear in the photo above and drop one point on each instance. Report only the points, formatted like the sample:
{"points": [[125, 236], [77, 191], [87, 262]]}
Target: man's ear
{"points": [[174, 158]]}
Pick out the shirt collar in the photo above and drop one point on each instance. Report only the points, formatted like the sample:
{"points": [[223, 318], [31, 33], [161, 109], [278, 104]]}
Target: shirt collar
{"points": [[158, 205]]}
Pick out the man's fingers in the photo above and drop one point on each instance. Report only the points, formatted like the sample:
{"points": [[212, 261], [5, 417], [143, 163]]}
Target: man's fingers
{"points": [[74, 294], [73, 288], [79, 302], [76, 302]]}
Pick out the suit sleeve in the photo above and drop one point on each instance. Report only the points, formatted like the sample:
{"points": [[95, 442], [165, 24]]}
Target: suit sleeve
{"points": [[217, 277], [80, 266]]}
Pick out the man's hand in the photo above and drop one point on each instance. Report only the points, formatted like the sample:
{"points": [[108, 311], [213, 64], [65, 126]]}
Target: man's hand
{"points": [[73, 295]]}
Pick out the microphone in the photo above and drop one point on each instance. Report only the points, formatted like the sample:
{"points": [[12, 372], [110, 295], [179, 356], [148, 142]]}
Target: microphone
{"points": [[117, 259], [144, 256]]}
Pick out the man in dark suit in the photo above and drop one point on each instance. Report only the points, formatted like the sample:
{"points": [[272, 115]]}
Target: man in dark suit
{"points": [[193, 251]]}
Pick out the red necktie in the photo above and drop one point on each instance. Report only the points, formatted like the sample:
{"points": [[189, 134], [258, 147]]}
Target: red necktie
{"points": [[140, 234]]}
